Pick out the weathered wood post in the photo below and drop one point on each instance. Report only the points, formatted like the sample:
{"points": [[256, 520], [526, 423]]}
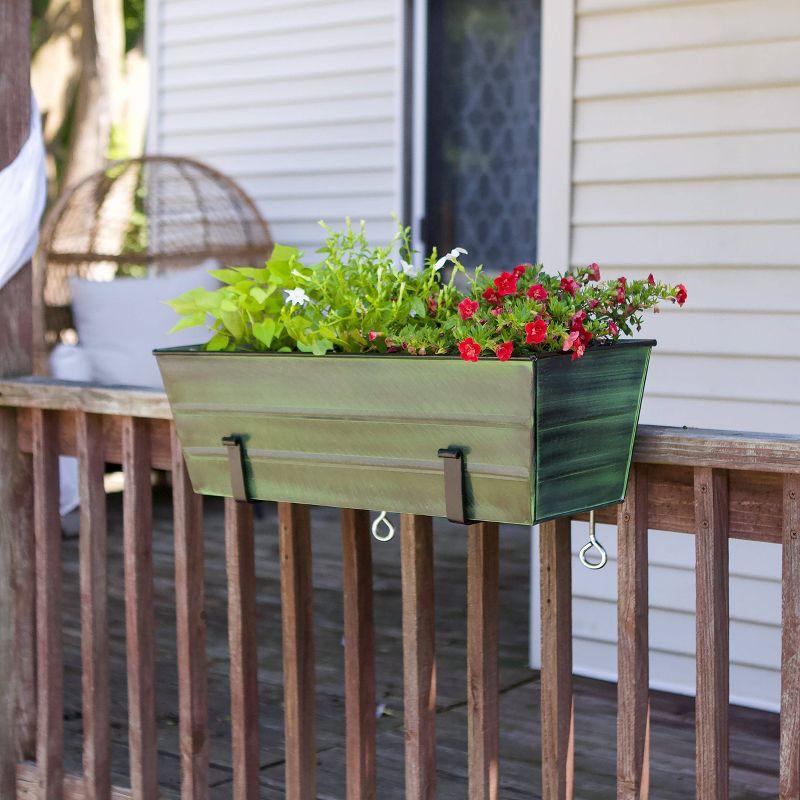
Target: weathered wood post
{"points": [[17, 700]]}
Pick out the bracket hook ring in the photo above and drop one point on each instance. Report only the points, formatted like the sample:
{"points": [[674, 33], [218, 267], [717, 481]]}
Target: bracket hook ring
{"points": [[593, 543], [385, 537]]}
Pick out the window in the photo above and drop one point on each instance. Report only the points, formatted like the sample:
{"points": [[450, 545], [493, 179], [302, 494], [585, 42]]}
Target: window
{"points": [[481, 129]]}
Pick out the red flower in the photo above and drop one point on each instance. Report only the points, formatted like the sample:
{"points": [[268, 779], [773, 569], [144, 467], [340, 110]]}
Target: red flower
{"points": [[594, 272], [432, 305], [570, 341], [681, 295], [593, 304], [569, 285], [504, 350], [506, 283], [577, 321], [537, 292], [536, 331], [373, 335], [491, 296], [651, 280], [576, 340], [467, 307], [622, 285], [496, 311], [519, 270], [613, 329], [469, 349]]}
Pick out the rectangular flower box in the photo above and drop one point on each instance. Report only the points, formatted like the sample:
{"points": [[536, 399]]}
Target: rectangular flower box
{"points": [[541, 437]]}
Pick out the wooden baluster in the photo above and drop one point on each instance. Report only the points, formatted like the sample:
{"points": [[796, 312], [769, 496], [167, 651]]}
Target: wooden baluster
{"points": [[711, 706], [298, 650], [555, 555], [49, 654], [633, 694], [240, 551], [94, 607], [419, 656], [790, 645], [190, 628], [359, 654], [483, 720], [139, 610]]}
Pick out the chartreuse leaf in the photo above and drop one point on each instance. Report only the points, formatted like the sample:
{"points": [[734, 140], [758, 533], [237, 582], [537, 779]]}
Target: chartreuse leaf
{"points": [[258, 274], [232, 320], [219, 341], [182, 304], [282, 252], [280, 272], [264, 331], [258, 294], [225, 275], [281, 263], [320, 347], [418, 307], [210, 301], [189, 321]]}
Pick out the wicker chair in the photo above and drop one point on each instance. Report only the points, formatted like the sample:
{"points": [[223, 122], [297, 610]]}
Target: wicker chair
{"points": [[135, 217]]}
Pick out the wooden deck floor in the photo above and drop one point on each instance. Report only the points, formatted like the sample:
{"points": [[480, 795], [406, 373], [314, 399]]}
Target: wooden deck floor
{"points": [[754, 735]]}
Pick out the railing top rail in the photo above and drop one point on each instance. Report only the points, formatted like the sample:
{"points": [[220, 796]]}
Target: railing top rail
{"points": [[698, 447], [655, 444], [55, 395]]}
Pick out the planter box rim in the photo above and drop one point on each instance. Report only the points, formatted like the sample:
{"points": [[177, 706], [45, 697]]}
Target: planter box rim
{"points": [[197, 350]]}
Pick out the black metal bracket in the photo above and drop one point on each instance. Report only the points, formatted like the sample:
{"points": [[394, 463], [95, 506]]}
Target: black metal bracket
{"points": [[235, 449], [454, 485]]}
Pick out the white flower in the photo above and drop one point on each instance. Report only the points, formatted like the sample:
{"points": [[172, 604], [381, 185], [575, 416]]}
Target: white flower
{"points": [[297, 297], [451, 256], [408, 268]]}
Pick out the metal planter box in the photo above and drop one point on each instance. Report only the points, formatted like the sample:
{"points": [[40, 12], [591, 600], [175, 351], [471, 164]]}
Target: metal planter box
{"points": [[541, 437]]}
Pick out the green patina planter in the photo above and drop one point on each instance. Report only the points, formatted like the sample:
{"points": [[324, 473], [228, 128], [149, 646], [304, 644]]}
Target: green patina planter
{"points": [[541, 437]]}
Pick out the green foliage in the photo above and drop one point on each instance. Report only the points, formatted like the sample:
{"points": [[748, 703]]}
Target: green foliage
{"points": [[349, 301], [38, 11], [360, 298], [133, 15]]}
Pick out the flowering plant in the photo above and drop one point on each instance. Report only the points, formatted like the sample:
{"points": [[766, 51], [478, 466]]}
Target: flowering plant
{"points": [[363, 299]]}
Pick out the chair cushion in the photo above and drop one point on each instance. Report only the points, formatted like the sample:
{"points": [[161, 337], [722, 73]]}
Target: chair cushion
{"points": [[68, 362], [121, 322]]}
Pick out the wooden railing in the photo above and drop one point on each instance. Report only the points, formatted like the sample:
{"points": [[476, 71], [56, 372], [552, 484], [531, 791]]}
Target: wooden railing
{"points": [[714, 485]]}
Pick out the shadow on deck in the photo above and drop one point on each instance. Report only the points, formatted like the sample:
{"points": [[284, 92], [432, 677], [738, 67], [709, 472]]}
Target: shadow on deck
{"points": [[754, 735]]}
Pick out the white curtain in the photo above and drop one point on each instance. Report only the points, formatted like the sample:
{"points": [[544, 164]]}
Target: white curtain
{"points": [[23, 190]]}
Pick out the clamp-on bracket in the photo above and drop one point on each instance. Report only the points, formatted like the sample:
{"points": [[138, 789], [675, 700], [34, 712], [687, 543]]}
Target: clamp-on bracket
{"points": [[235, 449], [454, 485]]}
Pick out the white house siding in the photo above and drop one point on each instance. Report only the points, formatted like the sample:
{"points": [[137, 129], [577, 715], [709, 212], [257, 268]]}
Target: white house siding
{"points": [[684, 120], [686, 163], [298, 100]]}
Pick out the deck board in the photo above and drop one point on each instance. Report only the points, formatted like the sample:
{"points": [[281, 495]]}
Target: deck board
{"points": [[754, 734]]}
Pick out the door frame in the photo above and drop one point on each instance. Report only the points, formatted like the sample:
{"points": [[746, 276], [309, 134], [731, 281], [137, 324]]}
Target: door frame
{"points": [[413, 98]]}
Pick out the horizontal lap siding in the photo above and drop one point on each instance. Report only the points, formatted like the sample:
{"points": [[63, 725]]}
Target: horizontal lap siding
{"points": [[298, 101], [685, 163]]}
